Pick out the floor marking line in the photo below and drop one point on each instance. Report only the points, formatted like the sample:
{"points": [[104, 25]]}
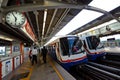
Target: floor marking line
{"points": [[28, 77], [56, 70]]}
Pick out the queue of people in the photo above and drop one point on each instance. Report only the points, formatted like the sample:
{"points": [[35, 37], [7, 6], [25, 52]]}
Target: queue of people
{"points": [[33, 54]]}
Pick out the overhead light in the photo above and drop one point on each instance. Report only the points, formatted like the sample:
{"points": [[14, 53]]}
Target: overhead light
{"points": [[44, 20], [6, 38]]}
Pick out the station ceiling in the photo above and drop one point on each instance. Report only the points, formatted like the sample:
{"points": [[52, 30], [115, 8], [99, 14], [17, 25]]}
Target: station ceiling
{"points": [[59, 13]]}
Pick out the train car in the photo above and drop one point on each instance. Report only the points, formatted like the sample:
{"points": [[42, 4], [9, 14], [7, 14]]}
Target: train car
{"points": [[68, 51], [93, 47]]}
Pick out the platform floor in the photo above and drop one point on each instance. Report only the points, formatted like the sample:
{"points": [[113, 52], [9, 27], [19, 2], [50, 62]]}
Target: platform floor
{"points": [[39, 71], [44, 71]]}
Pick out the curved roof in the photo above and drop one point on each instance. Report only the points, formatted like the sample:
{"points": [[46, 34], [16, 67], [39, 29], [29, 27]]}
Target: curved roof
{"points": [[58, 14]]}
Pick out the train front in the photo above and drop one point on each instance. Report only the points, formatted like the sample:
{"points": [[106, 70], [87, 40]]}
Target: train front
{"points": [[72, 52], [95, 49]]}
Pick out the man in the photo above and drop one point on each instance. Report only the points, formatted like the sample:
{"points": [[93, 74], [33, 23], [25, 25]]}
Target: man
{"points": [[34, 56], [44, 53]]}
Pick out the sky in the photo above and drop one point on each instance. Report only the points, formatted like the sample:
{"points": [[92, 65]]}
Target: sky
{"points": [[86, 16]]}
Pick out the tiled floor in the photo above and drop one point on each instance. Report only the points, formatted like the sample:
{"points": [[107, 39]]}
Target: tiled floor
{"points": [[44, 72], [39, 71]]}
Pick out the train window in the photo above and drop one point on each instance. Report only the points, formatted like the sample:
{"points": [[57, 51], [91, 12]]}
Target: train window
{"points": [[84, 44], [64, 46], [93, 42], [70, 46], [75, 45]]}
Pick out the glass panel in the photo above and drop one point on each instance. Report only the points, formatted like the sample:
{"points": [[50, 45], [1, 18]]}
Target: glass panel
{"points": [[93, 42], [64, 46], [75, 45], [70, 46]]}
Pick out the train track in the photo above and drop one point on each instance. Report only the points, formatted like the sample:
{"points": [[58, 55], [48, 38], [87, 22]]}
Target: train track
{"points": [[106, 69], [96, 71]]}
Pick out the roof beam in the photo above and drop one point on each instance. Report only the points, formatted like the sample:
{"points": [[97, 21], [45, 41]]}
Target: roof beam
{"points": [[55, 30], [36, 17], [40, 6], [101, 11], [51, 21], [101, 20]]}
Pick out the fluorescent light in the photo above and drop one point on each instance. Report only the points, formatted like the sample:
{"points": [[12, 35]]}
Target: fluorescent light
{"points": [[6, 38], [45, 16]]}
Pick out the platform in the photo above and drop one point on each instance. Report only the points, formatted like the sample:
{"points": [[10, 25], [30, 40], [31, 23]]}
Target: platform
{"points": [[40, 71]]}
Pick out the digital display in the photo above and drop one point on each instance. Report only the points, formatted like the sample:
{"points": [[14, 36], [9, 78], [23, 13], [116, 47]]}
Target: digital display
{"points": [[2, 50]]}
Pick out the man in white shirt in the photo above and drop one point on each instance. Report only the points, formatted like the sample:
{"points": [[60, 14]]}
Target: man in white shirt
{"points": [[34, 55]]}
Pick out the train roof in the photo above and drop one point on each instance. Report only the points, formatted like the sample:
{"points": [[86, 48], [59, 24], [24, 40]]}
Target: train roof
{"points": [[82, 37], [57, 39]]}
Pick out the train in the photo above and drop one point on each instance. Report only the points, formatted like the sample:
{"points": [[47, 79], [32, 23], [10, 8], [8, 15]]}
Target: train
{"points": [[93, 47], [68, 51]]}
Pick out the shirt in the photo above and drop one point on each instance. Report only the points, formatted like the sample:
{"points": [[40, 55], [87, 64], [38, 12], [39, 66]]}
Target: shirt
{"points": [[34, 52]]}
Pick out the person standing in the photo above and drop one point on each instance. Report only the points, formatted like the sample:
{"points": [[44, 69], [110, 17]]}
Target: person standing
{"points": [[34, 55], [44, 53], [30, 55]]}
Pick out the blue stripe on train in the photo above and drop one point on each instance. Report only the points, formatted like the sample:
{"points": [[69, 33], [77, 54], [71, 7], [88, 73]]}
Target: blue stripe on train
{"points": [[95, 56], [70, 64]]}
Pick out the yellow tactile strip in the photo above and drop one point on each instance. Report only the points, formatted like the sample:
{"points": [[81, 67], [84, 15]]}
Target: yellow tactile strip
{"points": [[52, 64], [26, 67], [56, 70], [28, 77]]}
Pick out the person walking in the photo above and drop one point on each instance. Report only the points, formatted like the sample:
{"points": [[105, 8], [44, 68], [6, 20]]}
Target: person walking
{"points": [[44, 53], [34, 55]]}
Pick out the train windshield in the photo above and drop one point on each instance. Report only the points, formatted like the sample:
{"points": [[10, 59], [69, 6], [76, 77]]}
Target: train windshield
{"points": [[93, 42], [70, 45], [74, 45]]}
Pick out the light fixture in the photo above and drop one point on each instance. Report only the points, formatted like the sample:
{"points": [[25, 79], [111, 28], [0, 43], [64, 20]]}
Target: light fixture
{"points": [[6, 38], [44, 20]]}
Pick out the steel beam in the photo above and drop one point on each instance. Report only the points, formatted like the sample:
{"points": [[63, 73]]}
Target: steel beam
{"points": [[101, 11], [36, 17], [40, 6], [51, 21]]}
